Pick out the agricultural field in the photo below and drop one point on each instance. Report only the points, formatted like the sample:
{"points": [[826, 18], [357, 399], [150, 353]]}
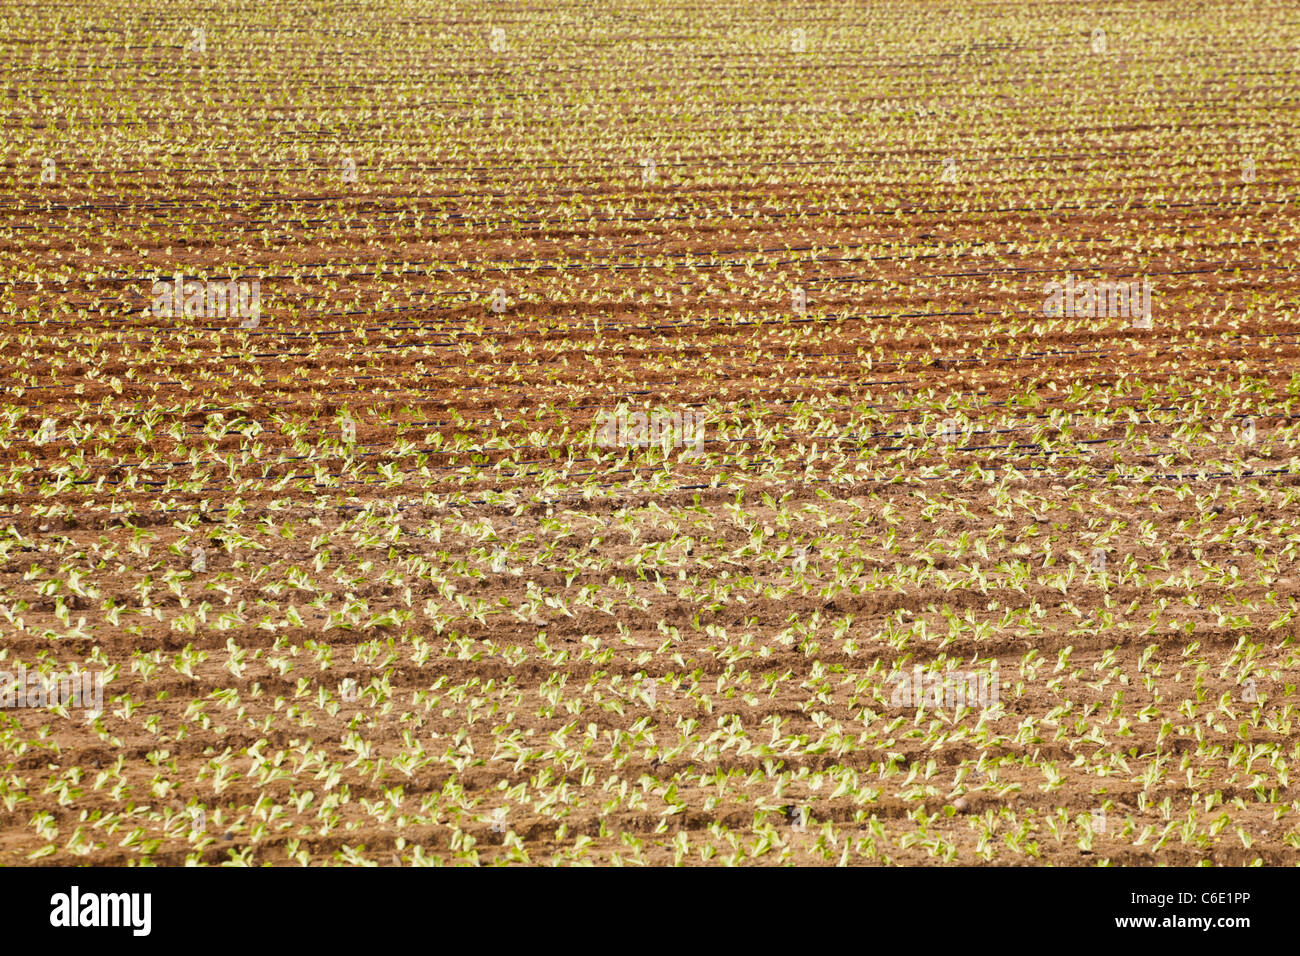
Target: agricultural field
{"points": [[768, 433]]}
